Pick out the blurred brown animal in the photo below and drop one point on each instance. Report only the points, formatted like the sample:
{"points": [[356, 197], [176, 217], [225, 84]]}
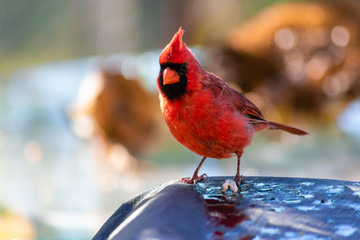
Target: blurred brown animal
{"points": [[123, 114], [304, 57]]}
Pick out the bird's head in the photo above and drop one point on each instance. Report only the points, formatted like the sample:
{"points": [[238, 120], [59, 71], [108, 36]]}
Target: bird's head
{"points": [[178, 69]]}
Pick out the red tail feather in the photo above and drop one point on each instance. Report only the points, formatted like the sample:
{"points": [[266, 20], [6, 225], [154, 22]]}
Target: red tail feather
{"points": [[288, 128]]}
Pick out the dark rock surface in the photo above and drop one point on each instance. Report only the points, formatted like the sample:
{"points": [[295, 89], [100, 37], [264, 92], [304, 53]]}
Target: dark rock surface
{"points": [[266, 208]]}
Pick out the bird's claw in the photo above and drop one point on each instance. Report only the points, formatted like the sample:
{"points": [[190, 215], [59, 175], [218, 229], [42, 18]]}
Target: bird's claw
{"points": [[239, 179], [194, 179]]}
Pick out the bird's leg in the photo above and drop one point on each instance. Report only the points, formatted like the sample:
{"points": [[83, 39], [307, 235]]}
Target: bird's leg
{"points": [[238, 178], [195, 178]]}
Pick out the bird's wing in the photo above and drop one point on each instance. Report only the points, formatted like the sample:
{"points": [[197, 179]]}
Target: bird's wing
{"points": [[237, 99], [243, 105]]}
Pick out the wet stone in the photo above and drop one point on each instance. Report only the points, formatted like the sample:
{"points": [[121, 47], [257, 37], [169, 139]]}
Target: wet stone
{"points": [[264, 208]]}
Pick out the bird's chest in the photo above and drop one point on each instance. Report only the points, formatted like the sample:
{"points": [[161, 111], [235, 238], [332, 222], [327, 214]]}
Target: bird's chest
{"points": [[191, 115], [202, 123]]}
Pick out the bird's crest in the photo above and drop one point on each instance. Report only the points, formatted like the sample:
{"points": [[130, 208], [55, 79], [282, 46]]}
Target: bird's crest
{"points": [[176, 51]]}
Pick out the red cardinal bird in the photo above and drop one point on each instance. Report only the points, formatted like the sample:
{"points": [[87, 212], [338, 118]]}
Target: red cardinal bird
{"points": [[203, 112]]}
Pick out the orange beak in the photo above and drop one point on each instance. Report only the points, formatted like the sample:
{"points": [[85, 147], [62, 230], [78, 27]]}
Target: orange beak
{"points": [[170, 76]]}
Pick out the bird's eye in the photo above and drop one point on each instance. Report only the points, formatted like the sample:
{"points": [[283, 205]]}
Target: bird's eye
{"points": [[183, 68]]}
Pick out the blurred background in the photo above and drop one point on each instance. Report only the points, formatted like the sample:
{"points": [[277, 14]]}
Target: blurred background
{"points": [[81, 130]]}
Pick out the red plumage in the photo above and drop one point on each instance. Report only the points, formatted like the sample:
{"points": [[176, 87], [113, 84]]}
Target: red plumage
{"points": [[203, 112]]}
